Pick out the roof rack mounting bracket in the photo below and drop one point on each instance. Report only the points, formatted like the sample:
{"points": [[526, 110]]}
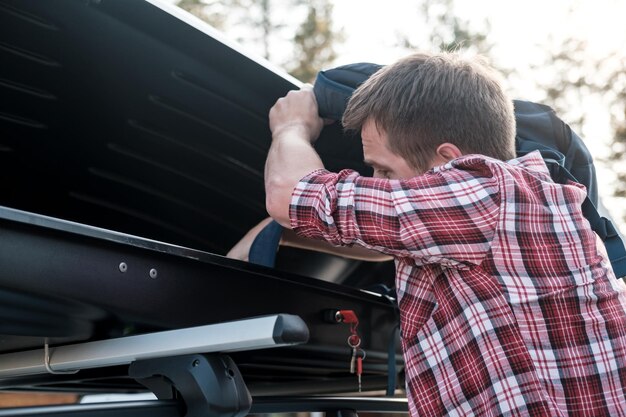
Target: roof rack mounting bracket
{"points": [[208, 385], [342, 413]]}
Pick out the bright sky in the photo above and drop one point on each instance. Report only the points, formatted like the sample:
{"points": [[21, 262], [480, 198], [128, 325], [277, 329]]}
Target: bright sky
{"points": [[519, 28]]}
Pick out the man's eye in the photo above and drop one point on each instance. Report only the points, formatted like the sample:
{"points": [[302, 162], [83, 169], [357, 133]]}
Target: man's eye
{"points": [[382, 173]]}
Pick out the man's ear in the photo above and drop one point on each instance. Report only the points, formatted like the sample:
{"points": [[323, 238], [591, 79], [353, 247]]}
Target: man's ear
{"points": [[448, 151]]}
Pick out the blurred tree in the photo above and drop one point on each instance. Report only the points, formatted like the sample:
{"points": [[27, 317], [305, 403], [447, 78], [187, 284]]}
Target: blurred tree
{"points": [[440, 28], [314, 41], [254, 15], [265, 24], [211, 11], [575, 78], [565, 79], [445, 30], [617, 156]]}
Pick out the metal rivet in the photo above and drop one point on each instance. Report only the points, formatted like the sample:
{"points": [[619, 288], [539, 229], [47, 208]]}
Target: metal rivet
{"points": [[153, 273], [195, 363], [123, 267]]}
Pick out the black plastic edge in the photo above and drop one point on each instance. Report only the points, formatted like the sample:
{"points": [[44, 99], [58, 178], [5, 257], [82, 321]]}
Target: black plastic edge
{"points": [[290, 329]]}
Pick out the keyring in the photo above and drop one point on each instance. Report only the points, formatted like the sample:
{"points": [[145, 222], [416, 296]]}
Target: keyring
{"points": [[354, 344]]}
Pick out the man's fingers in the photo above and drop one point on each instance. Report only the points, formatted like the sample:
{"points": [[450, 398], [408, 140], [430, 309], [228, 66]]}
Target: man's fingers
{"points": [[297, 111]]}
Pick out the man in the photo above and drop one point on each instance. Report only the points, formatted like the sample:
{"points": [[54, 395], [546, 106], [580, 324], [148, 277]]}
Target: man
{"points": [[507, 306]]}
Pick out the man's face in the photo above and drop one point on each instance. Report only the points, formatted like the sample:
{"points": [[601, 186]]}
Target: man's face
{"points": [[386, 164]]}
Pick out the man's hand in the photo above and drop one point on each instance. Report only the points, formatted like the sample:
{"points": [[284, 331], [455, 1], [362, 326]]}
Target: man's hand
{"points": [[296, 113]]}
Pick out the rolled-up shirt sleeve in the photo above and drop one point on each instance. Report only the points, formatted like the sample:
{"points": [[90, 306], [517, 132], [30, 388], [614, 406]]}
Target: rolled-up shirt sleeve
{"points": [[446, 216]]}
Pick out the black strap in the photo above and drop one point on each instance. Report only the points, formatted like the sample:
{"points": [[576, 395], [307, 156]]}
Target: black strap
{"points": [[608, 233], [265, 245]]}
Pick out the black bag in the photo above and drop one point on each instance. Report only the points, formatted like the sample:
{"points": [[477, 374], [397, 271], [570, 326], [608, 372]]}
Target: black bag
{"points": [[538, 128]]}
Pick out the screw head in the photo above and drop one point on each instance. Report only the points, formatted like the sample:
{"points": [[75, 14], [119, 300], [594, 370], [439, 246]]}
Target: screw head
{"points": [[153, 273], [123, 267]]}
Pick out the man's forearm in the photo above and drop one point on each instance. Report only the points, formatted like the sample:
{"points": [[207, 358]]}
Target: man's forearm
{"points": [[290, 238], [290, 158], [295, 125]]}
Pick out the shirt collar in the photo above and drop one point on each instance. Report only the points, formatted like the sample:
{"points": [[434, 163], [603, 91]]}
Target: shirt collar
{"points": [[532, 161]]}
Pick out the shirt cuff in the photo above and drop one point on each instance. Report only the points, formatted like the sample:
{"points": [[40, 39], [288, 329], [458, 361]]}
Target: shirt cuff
{"points": [[304, 205]]}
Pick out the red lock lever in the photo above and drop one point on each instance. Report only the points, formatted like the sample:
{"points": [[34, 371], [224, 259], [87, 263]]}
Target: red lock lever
{"points": [[346, 316]]}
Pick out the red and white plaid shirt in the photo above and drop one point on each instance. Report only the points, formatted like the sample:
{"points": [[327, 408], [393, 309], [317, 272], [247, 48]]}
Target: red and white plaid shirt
{"points": [[507, 307]]}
